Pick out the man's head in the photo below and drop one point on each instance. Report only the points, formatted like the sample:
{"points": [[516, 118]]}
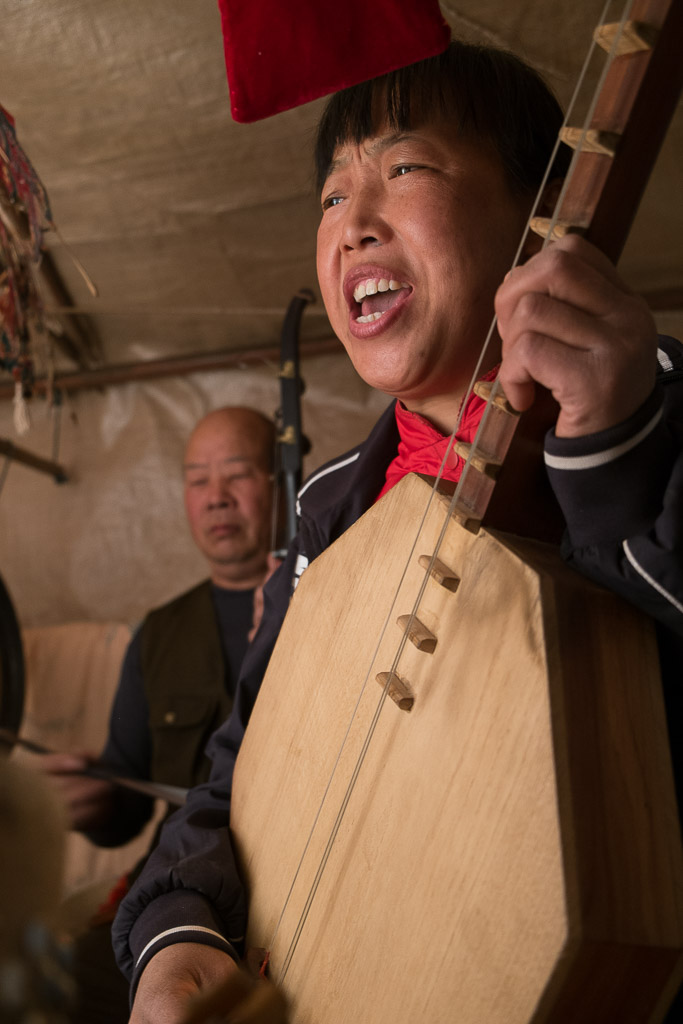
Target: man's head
{"points": [[227, 473], [428, 176]]}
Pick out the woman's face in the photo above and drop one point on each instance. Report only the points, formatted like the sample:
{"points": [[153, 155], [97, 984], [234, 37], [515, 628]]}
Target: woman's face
{"points": [[417, 232]]}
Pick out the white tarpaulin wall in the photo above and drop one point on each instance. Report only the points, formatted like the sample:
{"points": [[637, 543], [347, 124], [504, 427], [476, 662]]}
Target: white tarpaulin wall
{"points": [[113, 541]]}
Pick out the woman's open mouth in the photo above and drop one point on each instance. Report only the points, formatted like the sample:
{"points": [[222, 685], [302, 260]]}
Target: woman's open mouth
{"points": [[374, 302]]}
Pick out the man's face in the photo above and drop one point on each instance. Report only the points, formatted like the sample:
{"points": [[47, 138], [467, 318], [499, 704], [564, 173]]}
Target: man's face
{"points": [[228, 495], [428, 219]]}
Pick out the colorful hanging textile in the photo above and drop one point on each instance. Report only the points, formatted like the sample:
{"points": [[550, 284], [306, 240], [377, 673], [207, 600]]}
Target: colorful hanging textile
{"points": [[281, 55], [21, 185], [24, 217]]}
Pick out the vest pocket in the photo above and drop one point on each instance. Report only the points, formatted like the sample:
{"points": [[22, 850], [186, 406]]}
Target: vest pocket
{"points": [[181, 727]]}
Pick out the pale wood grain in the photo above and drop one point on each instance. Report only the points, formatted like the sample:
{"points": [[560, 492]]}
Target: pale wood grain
{"points": [[511, 851]]}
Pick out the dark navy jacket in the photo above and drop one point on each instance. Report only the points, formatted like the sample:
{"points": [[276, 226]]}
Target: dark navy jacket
{"points": [[621, 494]]}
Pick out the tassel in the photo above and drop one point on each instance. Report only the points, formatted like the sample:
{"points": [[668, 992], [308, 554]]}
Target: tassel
{"points": [[22, 421]]}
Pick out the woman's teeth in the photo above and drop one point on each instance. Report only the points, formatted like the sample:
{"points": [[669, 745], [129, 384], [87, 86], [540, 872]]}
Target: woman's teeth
{"points": [[372, 286]]}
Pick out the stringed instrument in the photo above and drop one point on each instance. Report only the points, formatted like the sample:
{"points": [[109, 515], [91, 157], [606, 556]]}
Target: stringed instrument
{"points": [[466, 809], [291, 442], [11, 664]]}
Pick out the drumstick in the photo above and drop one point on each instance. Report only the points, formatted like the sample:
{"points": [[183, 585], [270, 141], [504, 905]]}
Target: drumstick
{"points": [[159, 790]]}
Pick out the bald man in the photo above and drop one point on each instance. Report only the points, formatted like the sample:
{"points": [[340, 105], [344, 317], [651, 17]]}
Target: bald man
{"points": [[228, 494], [179, 674]]}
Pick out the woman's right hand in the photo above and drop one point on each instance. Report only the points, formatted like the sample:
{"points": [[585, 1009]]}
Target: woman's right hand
{"points": [[174, 977]]}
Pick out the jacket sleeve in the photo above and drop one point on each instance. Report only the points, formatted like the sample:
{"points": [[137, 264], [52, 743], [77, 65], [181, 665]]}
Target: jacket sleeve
{"points": [[621, 492], [189, 889]]}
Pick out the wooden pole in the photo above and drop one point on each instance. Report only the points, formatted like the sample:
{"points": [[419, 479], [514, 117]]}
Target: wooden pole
{"points": [[11, 451], [175, 366]]}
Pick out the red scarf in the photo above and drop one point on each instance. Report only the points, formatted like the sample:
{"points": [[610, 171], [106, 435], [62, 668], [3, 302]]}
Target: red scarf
{"points": [[422, 447]]}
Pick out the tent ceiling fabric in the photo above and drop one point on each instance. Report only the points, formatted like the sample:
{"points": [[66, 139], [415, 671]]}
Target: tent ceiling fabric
{"points": [[198, 230]]}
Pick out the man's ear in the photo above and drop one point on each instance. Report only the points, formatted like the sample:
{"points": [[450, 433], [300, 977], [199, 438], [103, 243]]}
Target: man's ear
{"points": [[545, 208]]}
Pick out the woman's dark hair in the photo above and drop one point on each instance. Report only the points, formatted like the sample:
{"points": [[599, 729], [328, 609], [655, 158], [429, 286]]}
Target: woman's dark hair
{"points": [[490, 94]]}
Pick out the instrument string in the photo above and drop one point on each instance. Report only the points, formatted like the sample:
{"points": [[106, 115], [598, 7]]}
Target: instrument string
{"points": [[454, 500]]}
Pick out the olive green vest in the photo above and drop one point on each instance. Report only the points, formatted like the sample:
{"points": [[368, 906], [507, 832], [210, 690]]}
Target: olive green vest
{"points": [[184, 676]]}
